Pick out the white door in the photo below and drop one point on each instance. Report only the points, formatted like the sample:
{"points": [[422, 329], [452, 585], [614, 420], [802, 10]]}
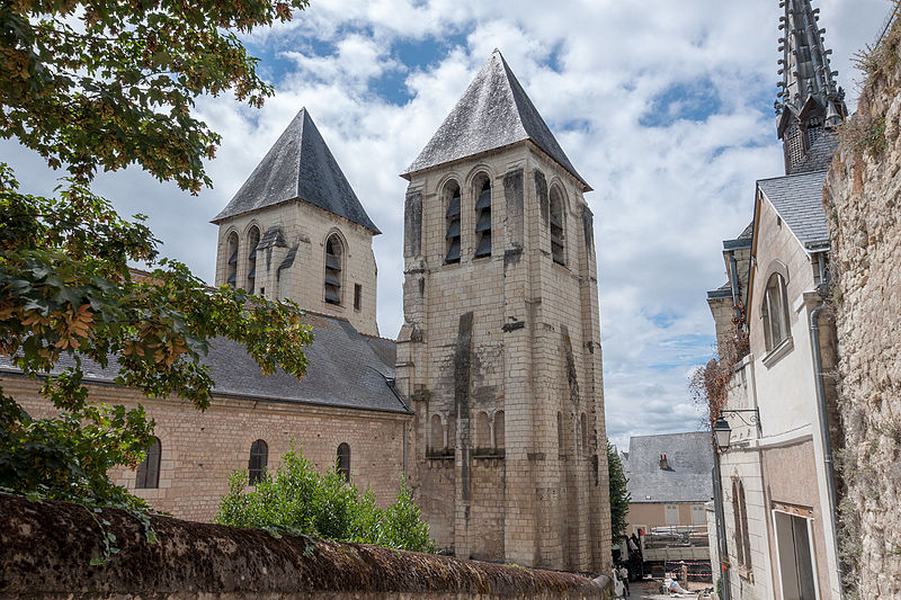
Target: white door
{"points": [[672, 514], [795, 557]]}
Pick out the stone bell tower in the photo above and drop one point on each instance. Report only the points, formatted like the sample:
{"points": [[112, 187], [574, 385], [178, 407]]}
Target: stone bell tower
{"points": [[500, 349]]}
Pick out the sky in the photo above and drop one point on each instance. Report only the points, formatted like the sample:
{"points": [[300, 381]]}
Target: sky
{"points": [[664, 106]]}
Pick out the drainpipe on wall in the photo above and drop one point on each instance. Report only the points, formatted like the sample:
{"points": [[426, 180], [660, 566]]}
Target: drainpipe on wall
{"points": [[821, 414]]}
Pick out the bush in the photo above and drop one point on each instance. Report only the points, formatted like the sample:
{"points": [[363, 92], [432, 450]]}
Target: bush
{"points": [[300, 500]]}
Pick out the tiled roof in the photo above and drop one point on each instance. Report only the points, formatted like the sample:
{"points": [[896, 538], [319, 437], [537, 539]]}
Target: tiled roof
{"points": [[345, 370], [690, 458], [493, 112], [299, 166], [799, 201], [820, 153]]}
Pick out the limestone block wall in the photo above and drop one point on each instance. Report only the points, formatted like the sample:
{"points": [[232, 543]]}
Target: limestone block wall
{"points": [[47, 548], [863, 201], [294, 268], [500, 356], [201, 449]]}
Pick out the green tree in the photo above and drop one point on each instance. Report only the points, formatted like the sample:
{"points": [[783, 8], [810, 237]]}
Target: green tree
{"points": [[619, 494], [300, 500], [100, 85]]}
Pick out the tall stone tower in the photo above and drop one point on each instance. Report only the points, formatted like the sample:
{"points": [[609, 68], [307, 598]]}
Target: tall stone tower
{"points": [[500, 349], [296, 230], [810, 105]]}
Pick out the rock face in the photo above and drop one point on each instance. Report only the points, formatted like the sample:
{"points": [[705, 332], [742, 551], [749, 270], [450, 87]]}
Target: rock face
{"points": [[862, 195], [46, 549]]}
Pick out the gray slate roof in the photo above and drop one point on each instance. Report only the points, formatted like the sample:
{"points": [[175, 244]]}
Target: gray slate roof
{"points": [[345, 370], [799, 201], [299, 166], [689, 455], [493, 112], [820, 153]]}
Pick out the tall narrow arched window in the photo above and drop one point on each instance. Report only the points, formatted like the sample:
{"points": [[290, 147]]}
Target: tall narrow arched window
{"points": [[452, 221], [483, 430], [557, 226], [482, 188], [452, 431], [231, 265], [583, 430], [746, 536], [774, 312], [149, 469], [343, 463], [253, 240], [560, 449], [334, 265], [436, 436], [259, 459], [738, 523], [499, 433]]}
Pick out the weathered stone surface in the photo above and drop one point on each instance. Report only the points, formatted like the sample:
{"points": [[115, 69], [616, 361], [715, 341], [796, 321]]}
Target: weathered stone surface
{"points": [[46, 549], [863, 201]]}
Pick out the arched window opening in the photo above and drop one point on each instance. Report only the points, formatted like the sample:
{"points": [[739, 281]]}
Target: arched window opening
{"points": [[557, 225], [483, 216], [436, 438], [149, 469], [253, 240], [738, 523], [344, 461], [774, 312], [746, 536], [231, 267], [499, 433], [452, 218], [560, 448], [583, 426], [483, 430], [259, 459], [334, 257]]}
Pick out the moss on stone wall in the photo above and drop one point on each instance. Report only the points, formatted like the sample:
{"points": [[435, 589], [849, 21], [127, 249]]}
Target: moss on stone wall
{"points": [[46, 550], [863, 201]]}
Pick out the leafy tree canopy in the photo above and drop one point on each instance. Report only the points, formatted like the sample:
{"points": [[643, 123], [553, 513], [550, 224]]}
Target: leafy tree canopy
{"points": [[619, 494], [300, 500], [94, 85]]}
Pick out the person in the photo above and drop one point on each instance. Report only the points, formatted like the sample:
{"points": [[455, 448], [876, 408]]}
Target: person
{"points": [[624, 577]]}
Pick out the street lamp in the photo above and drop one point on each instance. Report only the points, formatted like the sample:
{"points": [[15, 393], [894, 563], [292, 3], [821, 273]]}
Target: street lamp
{"points": [[723, 433]]}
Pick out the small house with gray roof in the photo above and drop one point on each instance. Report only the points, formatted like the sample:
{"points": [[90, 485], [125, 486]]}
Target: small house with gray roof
{"points": [[670, 479]]}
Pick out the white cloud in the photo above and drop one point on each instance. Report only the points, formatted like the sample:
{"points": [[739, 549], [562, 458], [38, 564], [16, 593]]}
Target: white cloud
{"points": [[666, 195]]}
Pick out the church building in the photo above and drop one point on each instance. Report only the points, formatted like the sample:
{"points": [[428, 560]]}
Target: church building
{"points": [[491, 400]]}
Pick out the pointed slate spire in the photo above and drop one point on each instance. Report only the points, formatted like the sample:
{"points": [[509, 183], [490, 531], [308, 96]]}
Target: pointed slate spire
{"points": [[299, 166], [808, 80], [493, 112]]}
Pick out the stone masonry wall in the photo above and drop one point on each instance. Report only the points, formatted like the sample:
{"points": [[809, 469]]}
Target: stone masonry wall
{"points": [[201, 449], [46, 550], [863, 201]]}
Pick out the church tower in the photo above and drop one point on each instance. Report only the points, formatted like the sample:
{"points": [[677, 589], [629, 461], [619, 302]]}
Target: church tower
{"points": [[810, 105], [500, 349], [296, 231]]}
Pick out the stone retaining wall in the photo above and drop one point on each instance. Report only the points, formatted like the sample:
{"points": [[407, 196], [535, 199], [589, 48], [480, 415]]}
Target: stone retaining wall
{"points": [[46, 550]]}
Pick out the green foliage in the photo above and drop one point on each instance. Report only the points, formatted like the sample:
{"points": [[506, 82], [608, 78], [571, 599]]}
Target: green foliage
{"points": [[91, 84], [619, 494], [99, 85], [301, 501]]}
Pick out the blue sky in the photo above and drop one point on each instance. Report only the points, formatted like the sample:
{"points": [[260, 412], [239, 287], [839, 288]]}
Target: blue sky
{"points": [[665, 108]]}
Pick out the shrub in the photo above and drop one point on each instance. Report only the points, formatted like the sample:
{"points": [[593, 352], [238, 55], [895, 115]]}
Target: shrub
{"points": [[300, 500]]}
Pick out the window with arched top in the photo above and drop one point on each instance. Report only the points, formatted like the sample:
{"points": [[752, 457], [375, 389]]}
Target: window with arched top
{"points": [[343, 463], [334, 266], [231, 264], [482, 189], [253, 240], [148, 476], [259, 459], [436, 435], [740, 521], [560, 449], [452, 223], [451, 431], [558, 226], [499, 433], [583, 430], [774, 312], [483, 430]]}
